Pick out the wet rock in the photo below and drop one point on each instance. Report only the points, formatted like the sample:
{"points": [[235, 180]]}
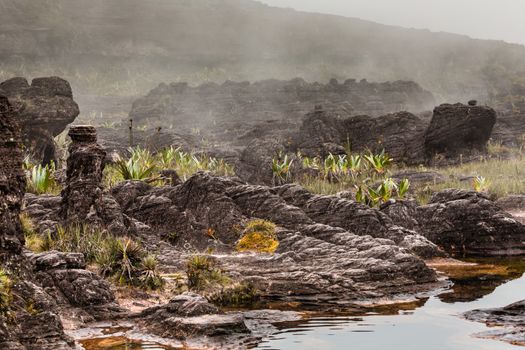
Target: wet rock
{"points": [[43, 331], [44, 109], [12, 183], [459, 130], [469, 223], [190, 316], [510, 317]]}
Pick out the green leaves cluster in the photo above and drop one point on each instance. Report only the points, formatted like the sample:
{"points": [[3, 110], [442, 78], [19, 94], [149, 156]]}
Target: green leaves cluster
{"points": [[388, 189]]}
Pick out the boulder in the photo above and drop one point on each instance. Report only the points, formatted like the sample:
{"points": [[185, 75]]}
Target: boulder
{"points": [[459, 130], [44, 109], [468, 223]]}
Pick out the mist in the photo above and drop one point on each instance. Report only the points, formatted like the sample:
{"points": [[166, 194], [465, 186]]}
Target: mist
{"points": [[481, 19]]}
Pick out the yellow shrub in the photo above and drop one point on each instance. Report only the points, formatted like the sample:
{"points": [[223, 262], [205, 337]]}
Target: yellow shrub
{"points": [[261, 242]]}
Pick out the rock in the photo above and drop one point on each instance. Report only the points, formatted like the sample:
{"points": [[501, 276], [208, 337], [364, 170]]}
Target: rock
{"points": [[513, 202], [178, 103], [313, 258], [468, 223], [44, 109], [58, 260], [190, 316], [12, 183], [83, 198], [509, 317], [459, 130], [399, 134], [24, 330]]}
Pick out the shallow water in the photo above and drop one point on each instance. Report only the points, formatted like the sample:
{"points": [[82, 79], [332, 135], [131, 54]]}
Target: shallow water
{"points": [[431, 324], [437, 325]]}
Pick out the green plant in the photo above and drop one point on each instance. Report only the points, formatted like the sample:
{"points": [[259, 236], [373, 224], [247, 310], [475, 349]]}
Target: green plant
{"points": [[150, 277], [236, 295], [480, 184], [202, 273], [378, 162], [121, 258], [402, 188], [41, 179], [76, 238], [281, 169], [386, 190], [134, 169], [5, 292]]}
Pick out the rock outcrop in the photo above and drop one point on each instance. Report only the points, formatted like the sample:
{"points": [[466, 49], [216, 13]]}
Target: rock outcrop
{"points": [[12, 183], [510, 317], [468, 223], [83, 198], [44, 109], [180, 104], [26, 330], [190, 315], [458, 129]]}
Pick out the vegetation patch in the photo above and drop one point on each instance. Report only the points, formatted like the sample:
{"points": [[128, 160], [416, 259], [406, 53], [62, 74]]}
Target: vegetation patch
{"points": [[6, 296], [146, 166], [259, 236], [237, 295], [203, 275], [41, 179]]}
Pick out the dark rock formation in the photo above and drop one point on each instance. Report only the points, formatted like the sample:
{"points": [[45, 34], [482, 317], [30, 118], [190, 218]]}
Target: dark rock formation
{"points": [[64, 277], [180, 104], [25, 330], [511, 317], [459, 129], [399, 134], [12, 183], [312, 259], [44, 109], [469, 223], [83, 198], [514, 202], [190, 315]]}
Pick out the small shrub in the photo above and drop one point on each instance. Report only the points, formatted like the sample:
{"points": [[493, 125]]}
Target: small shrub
{"points": [[281, 169], [237, 295], [77, 239], [202, 273], [121, 258], [259, 236], [480, 184], [150, 277], [5, 292], [41, 179]]}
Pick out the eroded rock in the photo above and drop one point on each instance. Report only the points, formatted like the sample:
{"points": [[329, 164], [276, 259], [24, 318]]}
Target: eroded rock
{"points": [[44, 110]]}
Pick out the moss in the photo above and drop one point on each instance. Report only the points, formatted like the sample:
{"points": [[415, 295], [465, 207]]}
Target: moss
{"points": [[259, 236]]}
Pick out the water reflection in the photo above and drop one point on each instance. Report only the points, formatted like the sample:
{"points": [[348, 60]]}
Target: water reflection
{"points": [[436, 325]]}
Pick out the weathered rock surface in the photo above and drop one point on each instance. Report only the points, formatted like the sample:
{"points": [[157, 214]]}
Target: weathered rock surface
{"points": [[272, 99], [83, 198], [12, 183], [313, 258], [469, 223], [399, 134], [459, 129], [511, 317], [25, 330], [190, 315], [44, 109]]}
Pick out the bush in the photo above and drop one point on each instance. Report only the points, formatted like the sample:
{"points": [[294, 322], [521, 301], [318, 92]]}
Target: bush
{"points": [[202, 274], [41, 179], [241, 294], [259, 236], [150, 277]]}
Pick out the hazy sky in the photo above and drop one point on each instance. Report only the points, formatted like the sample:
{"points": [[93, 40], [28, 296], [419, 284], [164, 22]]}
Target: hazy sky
{"points": [[484, 19]]}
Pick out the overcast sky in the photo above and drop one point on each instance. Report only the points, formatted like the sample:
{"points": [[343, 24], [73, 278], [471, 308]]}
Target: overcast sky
{"points": [[484, 19]]}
